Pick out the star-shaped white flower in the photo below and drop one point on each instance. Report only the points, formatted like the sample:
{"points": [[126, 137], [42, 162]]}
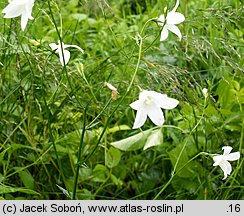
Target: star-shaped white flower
{"points": [[21, 8], [169, 23], [223, 160], [58, 49], [150, 104]]}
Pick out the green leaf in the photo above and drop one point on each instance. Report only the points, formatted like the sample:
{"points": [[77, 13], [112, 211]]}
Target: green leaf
{"points": [[3, 153], [227, 90], [65, 192], [73, 138], [113, 157], [116, 181], [99, 173], [182, 184], [2, 177], [85, 194], [154, 139], [27, 179], [186, 171], [134, 142], [4, 189]]}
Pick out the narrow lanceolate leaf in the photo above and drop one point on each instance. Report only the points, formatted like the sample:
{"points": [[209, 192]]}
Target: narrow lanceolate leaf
{"points": [[134, 142], [65, 192]]}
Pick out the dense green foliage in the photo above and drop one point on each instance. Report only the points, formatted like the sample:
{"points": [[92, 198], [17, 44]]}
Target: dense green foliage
{"points": [[57, 123]]}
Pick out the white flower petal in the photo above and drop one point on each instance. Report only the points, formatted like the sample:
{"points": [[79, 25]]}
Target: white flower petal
{"points": [[155, 95], [53, 46], [226, 167], [144, 94], [161, 20], [22, 2], [175, 30], [11, 11], [162, 100], [164, 33], [227, 150], [66, 56], [137, 105], [167, 103], [176, 5], [141, 118], [28, 8], [217, 159], [74, 46], [24, 21], [156, 115], [174, 18], [232, 156]]}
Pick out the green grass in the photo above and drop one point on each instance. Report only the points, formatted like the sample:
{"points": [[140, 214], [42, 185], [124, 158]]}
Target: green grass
{"points": [[57, 123]]}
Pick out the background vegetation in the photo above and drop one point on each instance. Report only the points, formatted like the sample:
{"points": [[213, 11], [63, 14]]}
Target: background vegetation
{"points": [[57, 123]]}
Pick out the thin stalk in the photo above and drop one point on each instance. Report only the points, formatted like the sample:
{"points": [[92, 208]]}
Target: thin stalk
{"points": [[81, 72], [104, 108], [79, 155], [49, 116]]}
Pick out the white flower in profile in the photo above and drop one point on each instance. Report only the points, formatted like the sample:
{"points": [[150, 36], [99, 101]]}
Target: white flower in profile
{"points": [[150, 104], [205, 92], [64, 55], [21, 8], [169, 23], [223, 160]]}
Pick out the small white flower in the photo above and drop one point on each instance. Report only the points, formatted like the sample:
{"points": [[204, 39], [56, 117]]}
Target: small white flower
{"points": [[205, 92], [169, 23], [223, 160], [58, 49], [150, 104], [21, 8]]}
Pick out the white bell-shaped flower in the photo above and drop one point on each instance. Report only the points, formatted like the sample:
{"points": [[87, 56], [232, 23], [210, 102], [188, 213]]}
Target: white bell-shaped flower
{"points": [[21, 8], [169, 22], [150, 104], [223, 160], [64, 55]]}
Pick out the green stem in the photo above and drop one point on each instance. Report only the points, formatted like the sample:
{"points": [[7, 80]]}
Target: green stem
{"points": [[104, 108], [79, 155], [81, 72]]}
